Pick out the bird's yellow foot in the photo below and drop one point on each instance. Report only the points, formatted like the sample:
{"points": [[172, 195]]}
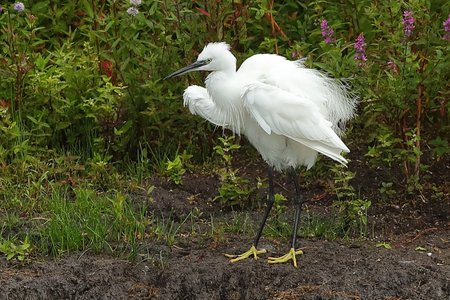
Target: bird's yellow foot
{"points": [[288, 256], [252, 251]]}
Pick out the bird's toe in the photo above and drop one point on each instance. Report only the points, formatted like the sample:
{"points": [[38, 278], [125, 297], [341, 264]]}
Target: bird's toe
{"points": [[251, 252], [291, 255]]}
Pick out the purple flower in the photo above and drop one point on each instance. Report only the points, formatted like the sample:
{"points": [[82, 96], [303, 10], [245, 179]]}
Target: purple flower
{"points": [[408, 23], [360, 47], [327, 32], [447, 29], [135, 2], [19, 7], [132, 11]]}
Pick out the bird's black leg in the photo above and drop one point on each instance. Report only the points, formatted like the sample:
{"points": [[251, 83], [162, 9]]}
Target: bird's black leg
{"points": [[291, 255], [298, 205], [253, 251], [270, 201]]}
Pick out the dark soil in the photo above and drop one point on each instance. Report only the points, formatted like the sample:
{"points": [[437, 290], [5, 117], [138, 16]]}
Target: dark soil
{"points": [[196, 268], [328, 270]]}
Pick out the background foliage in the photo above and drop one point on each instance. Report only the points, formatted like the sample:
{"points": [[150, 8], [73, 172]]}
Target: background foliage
{"points": [[85, 77]]}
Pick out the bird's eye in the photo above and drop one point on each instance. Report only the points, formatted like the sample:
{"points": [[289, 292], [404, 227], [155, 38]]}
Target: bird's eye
{"points": [[208, 60]]}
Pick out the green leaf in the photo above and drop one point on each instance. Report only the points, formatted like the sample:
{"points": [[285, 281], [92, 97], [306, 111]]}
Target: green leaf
{"points": [[88, 7], [384, 245], [420, 249]]}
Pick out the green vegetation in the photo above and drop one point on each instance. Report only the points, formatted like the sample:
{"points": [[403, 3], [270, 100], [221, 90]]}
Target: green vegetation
{"points": [[12, 250], [384, 245], [233, 189], [89, 220], [86, 119], [175, 169]]}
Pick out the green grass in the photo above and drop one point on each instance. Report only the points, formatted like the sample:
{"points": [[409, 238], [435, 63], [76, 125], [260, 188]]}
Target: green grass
{"points": [[314, 225], [240, 223], [58, 211], [166, 229], [57, 207], [87, 219]]}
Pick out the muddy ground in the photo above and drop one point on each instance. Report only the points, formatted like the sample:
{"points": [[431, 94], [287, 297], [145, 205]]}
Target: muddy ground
{"points": [[196, 269]]}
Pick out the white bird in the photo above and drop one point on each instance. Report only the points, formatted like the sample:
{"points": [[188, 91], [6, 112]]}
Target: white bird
{"points": [[288, 112]]}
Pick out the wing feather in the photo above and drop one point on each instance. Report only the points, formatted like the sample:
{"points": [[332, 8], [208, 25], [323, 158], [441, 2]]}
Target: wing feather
{"points": [[200, 103], [293, 116], [332, 96]]}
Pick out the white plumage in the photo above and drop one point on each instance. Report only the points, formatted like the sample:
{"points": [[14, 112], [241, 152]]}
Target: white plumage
{"points": [[288, 112]]}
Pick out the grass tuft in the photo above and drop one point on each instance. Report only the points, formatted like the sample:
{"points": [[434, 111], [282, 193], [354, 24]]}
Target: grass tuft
{"points": [[87, 219]]}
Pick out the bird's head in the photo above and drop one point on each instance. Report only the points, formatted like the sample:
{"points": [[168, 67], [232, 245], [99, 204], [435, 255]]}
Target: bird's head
{"points": [[214, 57]]}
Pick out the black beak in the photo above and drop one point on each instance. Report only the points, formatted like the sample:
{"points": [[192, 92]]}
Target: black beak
{"points": [[197, 64]]}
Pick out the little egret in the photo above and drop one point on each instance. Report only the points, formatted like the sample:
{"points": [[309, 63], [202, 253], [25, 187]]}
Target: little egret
{"points": [[288, 112]]}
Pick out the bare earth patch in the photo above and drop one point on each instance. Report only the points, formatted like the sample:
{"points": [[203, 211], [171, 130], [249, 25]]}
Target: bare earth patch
{"points": [[328, 270]]}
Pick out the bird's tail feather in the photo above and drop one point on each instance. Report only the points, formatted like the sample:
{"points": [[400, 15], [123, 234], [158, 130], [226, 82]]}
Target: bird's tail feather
{"points": [[331, 152]]}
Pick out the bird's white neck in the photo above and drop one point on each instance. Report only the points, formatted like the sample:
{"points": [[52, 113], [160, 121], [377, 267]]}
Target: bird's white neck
{"points": [[223, 87]]}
